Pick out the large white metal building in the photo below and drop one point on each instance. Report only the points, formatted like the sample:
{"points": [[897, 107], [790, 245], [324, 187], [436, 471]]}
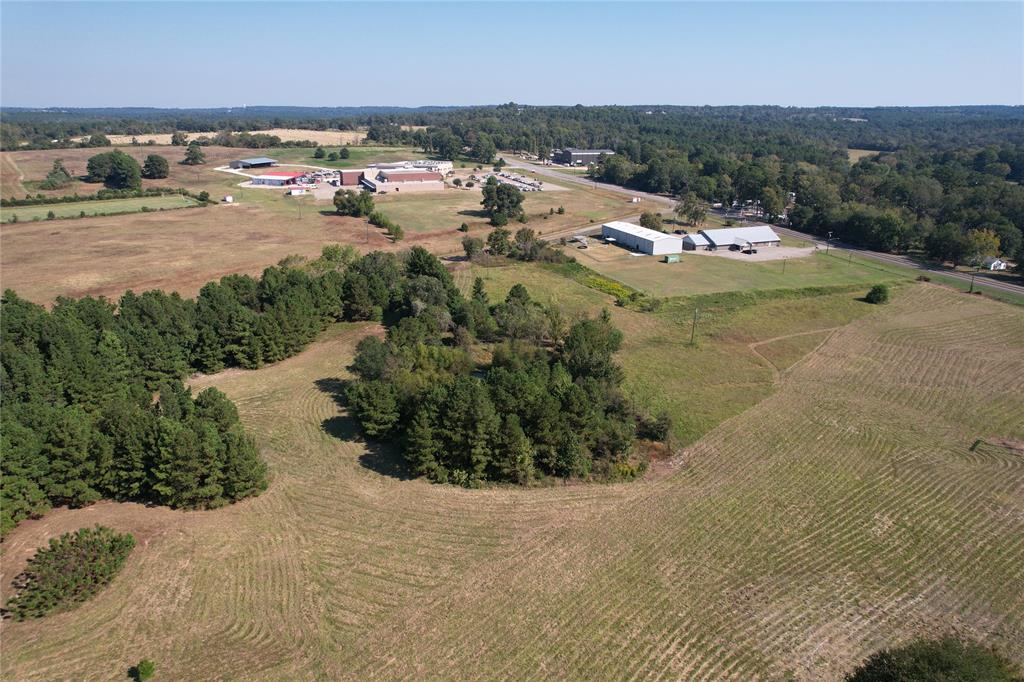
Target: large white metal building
{"points": [[641, 238], [742, 237]]}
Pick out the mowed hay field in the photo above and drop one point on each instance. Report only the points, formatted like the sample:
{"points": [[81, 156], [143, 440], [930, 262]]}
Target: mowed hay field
{"points": [[844, 512]]}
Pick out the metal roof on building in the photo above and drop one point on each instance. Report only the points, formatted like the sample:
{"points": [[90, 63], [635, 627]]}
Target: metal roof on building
{"points": [[639, 231], [696, 238], [256, 160], [729, 235]]}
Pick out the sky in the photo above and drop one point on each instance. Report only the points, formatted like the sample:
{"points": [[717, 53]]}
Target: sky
{"points": [[287, 52]]}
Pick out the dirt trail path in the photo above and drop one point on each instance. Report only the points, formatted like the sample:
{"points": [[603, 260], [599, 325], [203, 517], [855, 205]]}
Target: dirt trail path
{"points": [[776, 371]]}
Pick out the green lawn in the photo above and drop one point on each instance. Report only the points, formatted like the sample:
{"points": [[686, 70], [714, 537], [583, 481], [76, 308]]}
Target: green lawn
{"points": [[105, 207], [703, 274]]}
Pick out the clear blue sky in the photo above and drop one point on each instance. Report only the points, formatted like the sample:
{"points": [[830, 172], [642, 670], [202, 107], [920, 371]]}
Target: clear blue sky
{"points": [[285, 52]]}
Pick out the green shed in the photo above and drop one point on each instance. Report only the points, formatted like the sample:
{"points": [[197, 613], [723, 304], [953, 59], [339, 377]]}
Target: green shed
{"points": [[672, 258]]}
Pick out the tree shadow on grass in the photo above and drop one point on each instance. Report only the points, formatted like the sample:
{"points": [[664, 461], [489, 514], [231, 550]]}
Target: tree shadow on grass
{"points": [[382, 458], [474, 213]]}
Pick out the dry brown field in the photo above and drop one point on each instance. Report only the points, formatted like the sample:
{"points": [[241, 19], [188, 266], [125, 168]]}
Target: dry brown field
{"points": [[183, 250], [844, 512]]}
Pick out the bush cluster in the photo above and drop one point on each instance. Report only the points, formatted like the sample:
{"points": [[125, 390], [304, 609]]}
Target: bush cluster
{"points": [[936, 661], [101, 195], [378, 219], [548, 404], [69, 571]]}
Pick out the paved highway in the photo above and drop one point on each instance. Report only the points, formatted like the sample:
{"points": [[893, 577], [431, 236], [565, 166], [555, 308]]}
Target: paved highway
{"points": [[662, 202]]}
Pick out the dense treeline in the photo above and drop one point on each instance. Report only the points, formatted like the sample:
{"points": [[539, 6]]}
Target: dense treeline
{"points": [[71, 569], [94, 404], [95, 408], [548, 404], [959, 206], [40, 127]]}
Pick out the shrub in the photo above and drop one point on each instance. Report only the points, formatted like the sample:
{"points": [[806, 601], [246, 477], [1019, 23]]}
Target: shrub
{"points": [[924, 278], [463, 227], [561, 210], [155, 167], [143, 670], [73, 568], [50, 215], [878, 294], [652, 221], [344, 153], [936, 660], [204, 196]]}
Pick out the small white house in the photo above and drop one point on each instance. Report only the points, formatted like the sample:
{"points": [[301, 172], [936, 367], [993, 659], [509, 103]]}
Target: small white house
{"points": [[994, 264], [641, 239], [229, 199]]}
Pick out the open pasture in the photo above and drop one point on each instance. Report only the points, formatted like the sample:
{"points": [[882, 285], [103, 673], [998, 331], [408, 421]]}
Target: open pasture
{"points": [[429, 212], [701, 273], [856, 155], [170, 250], [840, 514], [32, 167], [699, 386]]}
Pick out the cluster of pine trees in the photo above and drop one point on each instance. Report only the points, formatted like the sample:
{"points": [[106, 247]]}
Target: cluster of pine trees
{"points": [[71, 569], [93, 411], [548, 404], [94, 402]]}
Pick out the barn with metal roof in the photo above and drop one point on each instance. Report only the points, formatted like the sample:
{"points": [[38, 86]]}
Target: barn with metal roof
{"points": [[255, 162], [641, 239], [742, 237]]}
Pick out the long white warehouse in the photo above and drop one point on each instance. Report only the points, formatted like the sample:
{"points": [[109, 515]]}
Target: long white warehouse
{"points": [[641, 238]]}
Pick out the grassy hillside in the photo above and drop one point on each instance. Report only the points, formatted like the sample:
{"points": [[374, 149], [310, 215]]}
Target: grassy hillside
{"points": [[844, 511]]}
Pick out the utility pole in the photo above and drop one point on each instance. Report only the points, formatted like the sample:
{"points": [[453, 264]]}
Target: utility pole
{"points": [[784, 265], [973, 274], [693, 329]]}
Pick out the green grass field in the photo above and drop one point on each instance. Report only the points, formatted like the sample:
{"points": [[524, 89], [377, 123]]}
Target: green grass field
{"points": [[91, 208], [702, 274], [702, 385]]}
